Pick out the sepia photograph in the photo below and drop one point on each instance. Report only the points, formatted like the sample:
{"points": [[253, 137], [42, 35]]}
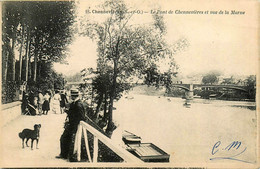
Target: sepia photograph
{"points": [[130, 83]]}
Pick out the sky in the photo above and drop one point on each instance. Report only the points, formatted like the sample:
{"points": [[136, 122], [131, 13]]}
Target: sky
{"points": [[82, 55], [227, 43]]}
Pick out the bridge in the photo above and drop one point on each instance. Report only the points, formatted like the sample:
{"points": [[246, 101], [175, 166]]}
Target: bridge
{"points": [[189, 88]]}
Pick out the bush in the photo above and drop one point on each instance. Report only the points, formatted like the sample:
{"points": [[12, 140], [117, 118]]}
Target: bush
{"points": [[10, 92]]}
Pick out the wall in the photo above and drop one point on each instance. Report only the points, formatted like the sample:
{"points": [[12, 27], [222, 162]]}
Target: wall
{"points": [[9, 112]]}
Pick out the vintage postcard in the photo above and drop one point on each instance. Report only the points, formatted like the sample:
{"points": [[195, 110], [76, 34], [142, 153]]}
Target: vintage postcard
{"points": [[130, 83]]}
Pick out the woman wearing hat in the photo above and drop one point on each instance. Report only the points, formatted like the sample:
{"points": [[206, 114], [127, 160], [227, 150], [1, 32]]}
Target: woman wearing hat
{"points": [[56, 102], [76, 114]]}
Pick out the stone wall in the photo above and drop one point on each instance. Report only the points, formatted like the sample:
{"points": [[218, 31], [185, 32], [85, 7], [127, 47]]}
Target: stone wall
{"points": [[9, 112]]}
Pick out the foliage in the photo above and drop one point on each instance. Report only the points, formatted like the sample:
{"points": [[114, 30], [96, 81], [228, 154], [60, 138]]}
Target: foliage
{"points": [[230, 80], [154, 77], [49, 80], [48, 24], [210, 78], [251, 86], [41, 30], [9, 92], [126, 51]]}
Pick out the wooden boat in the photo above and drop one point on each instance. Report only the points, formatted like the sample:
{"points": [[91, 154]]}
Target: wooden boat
{"points": [[130, 138], [148, 152]]}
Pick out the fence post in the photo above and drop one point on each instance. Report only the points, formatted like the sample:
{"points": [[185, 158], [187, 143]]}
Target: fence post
{"points": [[95, 153], [79, 142], [86, 143]]}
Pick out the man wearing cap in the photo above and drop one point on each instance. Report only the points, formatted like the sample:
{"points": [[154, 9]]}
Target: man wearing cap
{"points": [[76, 114]]}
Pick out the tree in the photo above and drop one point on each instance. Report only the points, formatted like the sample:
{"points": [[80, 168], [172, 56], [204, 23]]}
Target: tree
{"points": [[9, 28], [251, 86], [210, 78], [125, 51], [230, 80], [41, 30]]}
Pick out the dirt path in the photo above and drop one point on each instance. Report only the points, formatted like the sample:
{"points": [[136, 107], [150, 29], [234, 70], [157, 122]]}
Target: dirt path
{"points": [[13, 155]]}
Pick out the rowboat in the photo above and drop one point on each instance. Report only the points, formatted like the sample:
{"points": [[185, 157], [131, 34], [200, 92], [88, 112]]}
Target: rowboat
{"points": [[130, 138], [147, 152]]}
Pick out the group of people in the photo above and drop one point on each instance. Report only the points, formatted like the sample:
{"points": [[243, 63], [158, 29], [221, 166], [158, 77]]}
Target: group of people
{"points": [[59, 101], [39, 103]]}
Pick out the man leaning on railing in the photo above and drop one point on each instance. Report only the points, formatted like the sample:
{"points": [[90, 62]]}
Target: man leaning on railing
{"points": [[76, 113]]}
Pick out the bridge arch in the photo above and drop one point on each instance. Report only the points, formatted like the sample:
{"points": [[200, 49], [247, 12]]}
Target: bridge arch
{"points": [[181, 86], [221, 86]]}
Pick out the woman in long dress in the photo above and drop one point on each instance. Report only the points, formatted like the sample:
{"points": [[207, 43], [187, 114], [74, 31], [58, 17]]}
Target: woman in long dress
{"points": [[56, 102], [46, 103]]}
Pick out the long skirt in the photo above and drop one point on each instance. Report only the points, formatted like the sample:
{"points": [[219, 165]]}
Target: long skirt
{"points": [[46, 105], [56, 106]]}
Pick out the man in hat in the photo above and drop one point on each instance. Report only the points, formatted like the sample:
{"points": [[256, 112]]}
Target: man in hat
{"points": [[76, 114]]}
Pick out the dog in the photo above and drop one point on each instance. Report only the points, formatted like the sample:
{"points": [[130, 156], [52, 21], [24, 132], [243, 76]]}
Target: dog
{"points": [[31, 134]]}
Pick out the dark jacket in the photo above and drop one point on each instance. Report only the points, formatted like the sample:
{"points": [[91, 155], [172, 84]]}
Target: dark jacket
{"points": [[76, 113], [63, 100]]}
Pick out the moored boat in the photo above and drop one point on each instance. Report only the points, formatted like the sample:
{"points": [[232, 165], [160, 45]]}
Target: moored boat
{"points": [[130, 138]]}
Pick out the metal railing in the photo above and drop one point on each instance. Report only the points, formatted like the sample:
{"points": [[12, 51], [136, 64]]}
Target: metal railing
{"points": [[98, 136]]}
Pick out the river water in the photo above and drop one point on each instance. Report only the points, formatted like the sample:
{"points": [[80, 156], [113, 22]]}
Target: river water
{"points": [[189, 133]]}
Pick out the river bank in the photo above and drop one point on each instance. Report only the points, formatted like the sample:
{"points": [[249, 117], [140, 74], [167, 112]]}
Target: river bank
{"points": [[161, 92], [188, 134]]}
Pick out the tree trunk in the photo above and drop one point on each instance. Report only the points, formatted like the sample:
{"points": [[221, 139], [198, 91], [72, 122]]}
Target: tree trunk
{"points": [[35, 58], [6, 54], [35, 68], [28, 44], [110, 126], [20, 57], [39, 69], [13, 55], [29, 67], [98, 105], [105, 106]]}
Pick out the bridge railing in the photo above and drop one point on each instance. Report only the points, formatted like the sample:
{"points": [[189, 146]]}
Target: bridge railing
{"points": [[83, 127]]}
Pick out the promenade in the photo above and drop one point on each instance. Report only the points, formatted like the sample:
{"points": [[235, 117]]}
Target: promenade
{"points": [[13, 155]]}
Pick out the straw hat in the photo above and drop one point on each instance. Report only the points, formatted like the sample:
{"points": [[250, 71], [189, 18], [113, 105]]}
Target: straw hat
{"points": [[74, 92]]}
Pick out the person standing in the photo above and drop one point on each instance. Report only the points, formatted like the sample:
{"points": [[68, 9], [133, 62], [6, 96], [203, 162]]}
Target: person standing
{"points": [[31, 97], [46, 103], [76, 114], [40, 102], [56, 102], [35, 104], [31, 105], [25, 103], [63, 101]]}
